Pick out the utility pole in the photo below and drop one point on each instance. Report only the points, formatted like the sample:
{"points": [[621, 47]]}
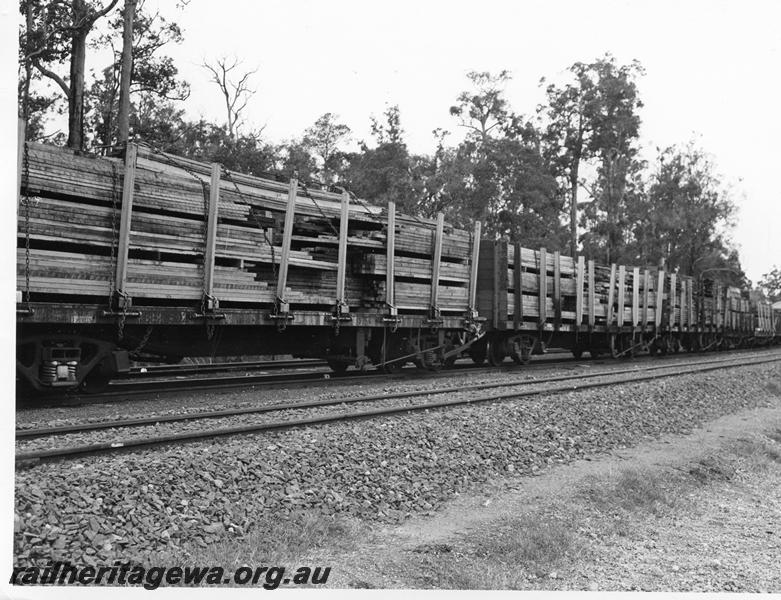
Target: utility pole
{"points": [[123, 120]]}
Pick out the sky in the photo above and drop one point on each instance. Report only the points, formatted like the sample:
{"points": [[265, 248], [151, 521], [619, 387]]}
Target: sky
{"points": [[713, 73]]}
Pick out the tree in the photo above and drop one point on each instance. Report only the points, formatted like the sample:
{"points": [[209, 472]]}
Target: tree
{"points": [[236, 92], [298, 161], [324, 137], [498, 174], [507, 184], [123, 120], [387, 171], [153, 77], [59, 34], [685, 216], [770, 284], [483, 109], [594, 117]]}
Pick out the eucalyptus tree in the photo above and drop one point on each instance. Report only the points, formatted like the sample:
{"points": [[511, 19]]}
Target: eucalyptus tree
{"points": [[687, 214], [56, 34], [325, 137], [770, 284], [592, 119], [153, 78]]}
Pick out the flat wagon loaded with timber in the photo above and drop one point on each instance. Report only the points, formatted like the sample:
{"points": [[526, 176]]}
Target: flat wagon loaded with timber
{"points": [[534, 298], [154, 257], [148, 256]]}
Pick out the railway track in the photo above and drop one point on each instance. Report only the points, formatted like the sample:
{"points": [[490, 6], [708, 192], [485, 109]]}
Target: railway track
{"points": [[392, 403], [174, 381]]}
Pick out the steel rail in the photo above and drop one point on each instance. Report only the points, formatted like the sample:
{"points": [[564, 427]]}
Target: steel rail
{"points": [[139, 422], [34, 457]]}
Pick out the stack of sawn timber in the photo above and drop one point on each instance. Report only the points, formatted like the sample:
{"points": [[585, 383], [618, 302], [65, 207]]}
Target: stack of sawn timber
{"points": [[678, 309], [74, 213], [531, 270]]}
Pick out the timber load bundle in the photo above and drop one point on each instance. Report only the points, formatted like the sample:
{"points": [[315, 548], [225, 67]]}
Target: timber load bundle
{"points": [[568, 292], [71, 225]]}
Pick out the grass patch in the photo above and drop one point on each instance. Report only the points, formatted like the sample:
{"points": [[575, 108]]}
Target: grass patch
{"points": [[505, 557], [747, 455], [470, 574], [775, 435], [714, 468], [773, 388], [634, 490], [535, 543], [274, 541]]}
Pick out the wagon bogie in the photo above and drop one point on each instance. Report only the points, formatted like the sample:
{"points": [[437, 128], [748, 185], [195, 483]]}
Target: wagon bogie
{"points": [[52, 362]]}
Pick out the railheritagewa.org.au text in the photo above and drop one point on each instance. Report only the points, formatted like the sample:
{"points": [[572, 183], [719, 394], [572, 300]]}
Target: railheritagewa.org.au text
{"points": [[151, 578]]}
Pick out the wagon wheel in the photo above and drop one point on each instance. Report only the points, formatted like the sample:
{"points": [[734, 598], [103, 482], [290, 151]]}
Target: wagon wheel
{"points": [[621, 345], [450, 361], [391, 368], [96, 381], [429, 359], [631, 344], [24, 389], [496, 353], [614, 343], [449, 346], [478, 356], [337, 366], [577, 353], [433, 359], [702, 342], [658, 346], [522, 350]]}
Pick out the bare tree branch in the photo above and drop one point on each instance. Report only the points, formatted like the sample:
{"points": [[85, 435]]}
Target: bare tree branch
{"points": [[236, 93]]}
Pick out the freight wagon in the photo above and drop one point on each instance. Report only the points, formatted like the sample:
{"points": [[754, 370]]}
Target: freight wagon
{"points": [[150, 256], [532, 299], [154, 257]]}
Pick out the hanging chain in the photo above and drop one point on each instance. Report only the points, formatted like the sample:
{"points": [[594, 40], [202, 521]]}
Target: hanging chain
{"points": [[365, 206], [144, 340], [26, 176], [330, 224], [121, 325]]}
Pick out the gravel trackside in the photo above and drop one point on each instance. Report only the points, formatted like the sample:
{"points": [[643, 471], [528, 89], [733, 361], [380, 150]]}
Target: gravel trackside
{"points": [[129, 506]]}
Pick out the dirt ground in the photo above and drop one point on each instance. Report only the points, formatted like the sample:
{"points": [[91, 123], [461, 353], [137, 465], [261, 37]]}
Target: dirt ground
{"points": [[697, 512]]}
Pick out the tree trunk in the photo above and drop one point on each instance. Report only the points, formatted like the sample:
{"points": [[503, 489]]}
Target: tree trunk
{"points": [[123, 120], [28, 71], [573, 210], [76, 100]]}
